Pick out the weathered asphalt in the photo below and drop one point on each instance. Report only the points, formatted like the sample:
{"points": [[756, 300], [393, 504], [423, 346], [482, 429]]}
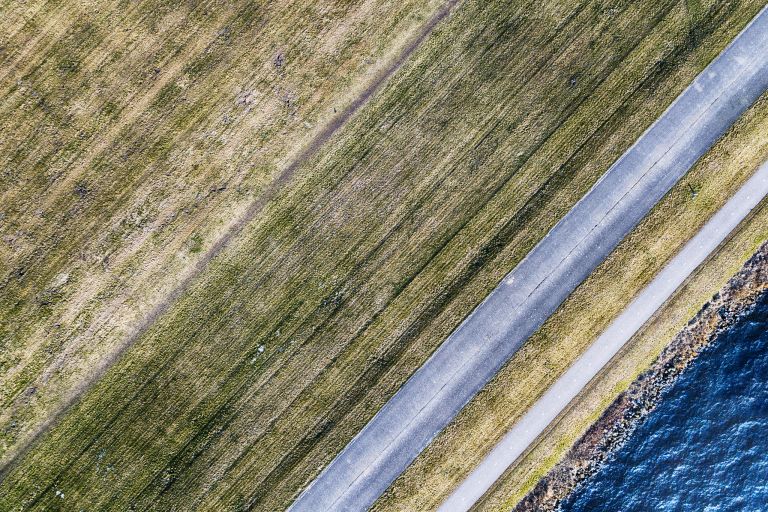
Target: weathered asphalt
{"points": [[529, 294]]}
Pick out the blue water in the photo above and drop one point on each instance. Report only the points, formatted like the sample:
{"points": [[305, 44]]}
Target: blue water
{"points": [[705, 447]]}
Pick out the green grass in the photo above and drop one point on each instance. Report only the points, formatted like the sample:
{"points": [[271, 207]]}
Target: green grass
{"points": [[361, 266], [195, 243]]}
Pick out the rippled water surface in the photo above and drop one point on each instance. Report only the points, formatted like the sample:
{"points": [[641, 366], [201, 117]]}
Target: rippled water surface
{"points": [[705, 447]]}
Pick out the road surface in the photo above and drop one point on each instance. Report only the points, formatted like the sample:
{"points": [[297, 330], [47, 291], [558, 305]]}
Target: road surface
{"points": [[527, 296], [639, 311]]}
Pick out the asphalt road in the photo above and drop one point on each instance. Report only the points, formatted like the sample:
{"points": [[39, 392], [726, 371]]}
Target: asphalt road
{"points": [[639, 311], [529, 294]]}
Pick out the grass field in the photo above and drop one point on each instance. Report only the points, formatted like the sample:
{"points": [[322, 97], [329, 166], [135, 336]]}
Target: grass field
{"points": [[583, 316], [352, 275], [133, 137]]}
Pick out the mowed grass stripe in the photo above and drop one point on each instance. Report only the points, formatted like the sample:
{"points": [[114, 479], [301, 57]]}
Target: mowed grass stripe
{"points": [[161, 107], [83, 41], [27, 37], [220, 343]]}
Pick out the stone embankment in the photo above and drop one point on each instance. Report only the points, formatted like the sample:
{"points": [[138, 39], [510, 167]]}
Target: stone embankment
{"points": [[617, 423]]}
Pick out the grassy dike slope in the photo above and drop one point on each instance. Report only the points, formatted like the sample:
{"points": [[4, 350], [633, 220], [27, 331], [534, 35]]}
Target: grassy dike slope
{"points": [[133, 135], [587, 313], [355, 273]]}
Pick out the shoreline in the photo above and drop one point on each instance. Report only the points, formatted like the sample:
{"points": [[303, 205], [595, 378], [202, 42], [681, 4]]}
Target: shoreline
{"points": [[614, 427]]}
